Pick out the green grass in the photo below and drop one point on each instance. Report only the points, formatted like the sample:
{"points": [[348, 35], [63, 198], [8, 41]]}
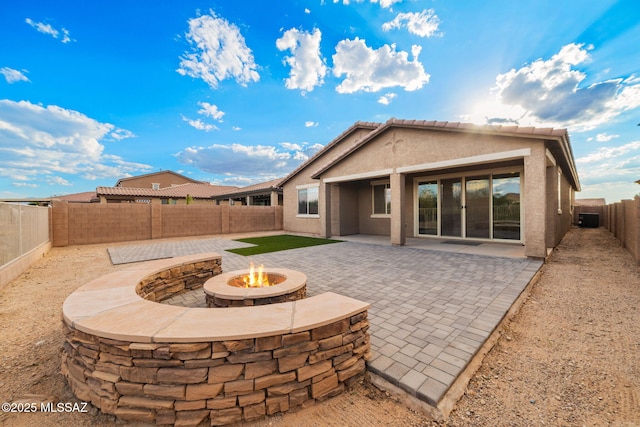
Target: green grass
{"points": [[278, 243]]}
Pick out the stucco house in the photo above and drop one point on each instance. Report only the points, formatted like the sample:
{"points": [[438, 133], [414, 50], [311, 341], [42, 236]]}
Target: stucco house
{"points": [[268, 193], [453, 181], [164, 187]]}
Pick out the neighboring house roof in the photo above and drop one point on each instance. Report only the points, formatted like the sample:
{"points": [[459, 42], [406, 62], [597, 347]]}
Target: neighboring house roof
{"points": [[260, 188], [197, 191], [86, 197], [590, 202], [561, 147], [167, 172]]}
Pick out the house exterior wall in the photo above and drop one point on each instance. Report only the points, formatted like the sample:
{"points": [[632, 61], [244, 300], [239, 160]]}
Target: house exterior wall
{"points": [[164, 179], [309, 225], [542, 224]]}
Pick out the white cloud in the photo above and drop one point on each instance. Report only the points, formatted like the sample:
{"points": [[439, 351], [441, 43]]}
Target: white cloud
{"points": [[57, 180], [291, 147], [611, 171], [383, 3], [62, 34], [372, 70], [604, 137], [120, 134], [608, 153], [14, 76], [387, 98], [218, 52], [310, 124], [199, 124], [307, 66], [234, 160], [41, 144], [423, 24], [210, 110], [307, 11], [548, 92]]}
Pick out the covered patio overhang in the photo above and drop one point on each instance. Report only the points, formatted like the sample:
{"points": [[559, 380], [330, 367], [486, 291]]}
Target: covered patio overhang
{"points": [[336, 192]]}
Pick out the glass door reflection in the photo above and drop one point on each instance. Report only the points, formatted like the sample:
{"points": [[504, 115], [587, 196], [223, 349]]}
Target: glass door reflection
{"points": [[506, 206], [477, 207], [428, 208], [451, 212]]}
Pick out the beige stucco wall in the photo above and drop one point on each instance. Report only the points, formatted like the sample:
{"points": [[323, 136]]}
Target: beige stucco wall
{"points": [[292, 222], [405, 147], [400, 147]]}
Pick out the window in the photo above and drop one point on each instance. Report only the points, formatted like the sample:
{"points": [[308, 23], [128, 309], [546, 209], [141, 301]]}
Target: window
{"points": [[559, 191], [381, 194], [308, 201], [155, 186]]}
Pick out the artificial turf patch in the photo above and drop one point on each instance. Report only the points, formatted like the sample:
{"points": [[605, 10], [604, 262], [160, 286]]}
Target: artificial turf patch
{"points": [[278, 243]]}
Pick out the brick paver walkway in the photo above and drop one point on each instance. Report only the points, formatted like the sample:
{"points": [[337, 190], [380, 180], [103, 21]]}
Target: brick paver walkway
{"points": [[430, 311]]}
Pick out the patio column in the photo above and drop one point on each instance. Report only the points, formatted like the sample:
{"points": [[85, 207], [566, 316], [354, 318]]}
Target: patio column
{"points": [[274, 198], [324, 209], [535, 203], [398, 214]]}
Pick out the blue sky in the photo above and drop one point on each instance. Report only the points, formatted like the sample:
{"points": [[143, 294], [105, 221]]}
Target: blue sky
{"points": [[240, 92]]}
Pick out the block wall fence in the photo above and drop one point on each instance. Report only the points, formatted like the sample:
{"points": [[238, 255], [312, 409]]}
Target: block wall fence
{"points": [[84, 223], [623, 221]]}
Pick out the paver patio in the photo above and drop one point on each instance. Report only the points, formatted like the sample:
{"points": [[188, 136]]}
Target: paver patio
{"points": [[431, 311]]}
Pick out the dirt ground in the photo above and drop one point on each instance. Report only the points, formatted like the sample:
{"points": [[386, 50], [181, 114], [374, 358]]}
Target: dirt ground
{"points": [[570, 357]]}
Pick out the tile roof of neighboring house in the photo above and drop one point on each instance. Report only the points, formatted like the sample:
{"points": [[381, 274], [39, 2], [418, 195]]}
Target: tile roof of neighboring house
{"points": [[158, 173], [561, 150], [590, 202], [261, 187], [197, 191], [86, 197]]}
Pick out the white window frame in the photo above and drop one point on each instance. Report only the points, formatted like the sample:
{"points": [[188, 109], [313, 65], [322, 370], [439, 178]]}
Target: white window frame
{"points": [[155, 185], [307, 187], [387, 185]]}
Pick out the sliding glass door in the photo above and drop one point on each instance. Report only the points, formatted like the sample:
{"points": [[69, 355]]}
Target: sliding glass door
{"points": [[451, 198], [428, 208], [476, 207], [506, 206]]}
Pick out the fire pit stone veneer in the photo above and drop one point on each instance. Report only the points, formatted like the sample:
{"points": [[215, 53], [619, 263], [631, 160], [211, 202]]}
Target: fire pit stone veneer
{"points": [[155, 363], [290, 285]]}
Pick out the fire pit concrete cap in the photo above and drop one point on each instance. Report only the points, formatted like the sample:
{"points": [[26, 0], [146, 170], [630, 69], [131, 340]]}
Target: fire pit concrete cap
{"points": [[217, 286]]}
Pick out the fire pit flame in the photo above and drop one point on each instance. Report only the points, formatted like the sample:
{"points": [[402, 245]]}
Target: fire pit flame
{"points": [[260, 280]]}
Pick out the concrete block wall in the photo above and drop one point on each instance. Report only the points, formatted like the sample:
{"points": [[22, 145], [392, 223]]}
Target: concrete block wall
{"points": [[81, 224], [623, 221]]}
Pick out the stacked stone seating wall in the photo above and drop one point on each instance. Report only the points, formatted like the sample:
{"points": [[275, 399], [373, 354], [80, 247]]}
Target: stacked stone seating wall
{"points": [[220, 382], [176, 280]]}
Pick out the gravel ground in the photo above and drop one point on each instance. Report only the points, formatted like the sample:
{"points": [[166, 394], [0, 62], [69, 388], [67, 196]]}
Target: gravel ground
{"points": [[570, 357]]}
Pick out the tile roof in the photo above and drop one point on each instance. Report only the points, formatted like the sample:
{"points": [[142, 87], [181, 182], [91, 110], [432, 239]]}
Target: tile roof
{"points": [[165, 172], [86, 197], [261, 187], [561, 150], [371, 126], [197, 191]]}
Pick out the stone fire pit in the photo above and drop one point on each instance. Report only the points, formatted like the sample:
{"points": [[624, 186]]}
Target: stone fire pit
{"points": [[227, 290], [162, 364]]}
